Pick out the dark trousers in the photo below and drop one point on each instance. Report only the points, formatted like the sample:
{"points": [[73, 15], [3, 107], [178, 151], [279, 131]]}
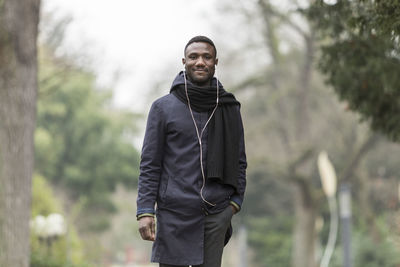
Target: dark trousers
{"points": [[215, 227]]}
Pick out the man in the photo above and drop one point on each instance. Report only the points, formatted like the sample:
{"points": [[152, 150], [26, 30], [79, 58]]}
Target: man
{"points": [[193, 165]]}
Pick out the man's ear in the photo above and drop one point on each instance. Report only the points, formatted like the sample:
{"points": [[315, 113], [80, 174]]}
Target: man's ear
{"points": [[216, 61], [183, 61]]}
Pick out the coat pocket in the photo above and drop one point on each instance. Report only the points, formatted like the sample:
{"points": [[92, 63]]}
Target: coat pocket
{"points": [[173, 191], [163, 187]]}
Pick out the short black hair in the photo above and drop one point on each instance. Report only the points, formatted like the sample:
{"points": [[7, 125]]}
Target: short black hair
{"points": [[202, 39]]}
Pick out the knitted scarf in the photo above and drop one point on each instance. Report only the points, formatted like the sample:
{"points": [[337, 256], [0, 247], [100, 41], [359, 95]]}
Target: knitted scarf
{"points": [[223, 128]]}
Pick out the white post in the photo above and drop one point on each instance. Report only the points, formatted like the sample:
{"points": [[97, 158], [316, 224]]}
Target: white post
{"points": [[345, 218], [328, 179], [242, 246]]}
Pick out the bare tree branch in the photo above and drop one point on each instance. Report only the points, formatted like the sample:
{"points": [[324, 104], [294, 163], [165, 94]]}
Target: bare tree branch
{"points": [[272, 42], [357, 157], [285, 18]]}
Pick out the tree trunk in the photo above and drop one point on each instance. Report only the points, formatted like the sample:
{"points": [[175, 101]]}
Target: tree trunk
{"points": [[305, 71], [18, 89], [304, 230], [305, 207]]}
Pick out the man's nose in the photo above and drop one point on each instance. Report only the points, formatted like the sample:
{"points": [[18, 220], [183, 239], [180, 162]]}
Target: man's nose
{"points": [[200, 62]]}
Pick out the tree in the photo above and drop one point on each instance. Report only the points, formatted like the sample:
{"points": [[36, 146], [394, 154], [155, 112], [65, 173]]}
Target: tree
{"points": [[361, 57], [18, 88], [61, 251], [83, 144], [289, 116]]}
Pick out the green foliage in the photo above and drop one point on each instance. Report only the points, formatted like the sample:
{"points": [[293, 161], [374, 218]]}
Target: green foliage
{"points": [[43, 200], [370, 254], [64, 251], [368, 249], [377, 250], [82, 143], [266, 195], [271, 239], [60, 252], [361, 57], [385, 16]]}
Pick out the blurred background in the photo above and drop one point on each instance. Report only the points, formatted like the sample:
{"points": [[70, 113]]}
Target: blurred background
{"points": [[311, 76]]}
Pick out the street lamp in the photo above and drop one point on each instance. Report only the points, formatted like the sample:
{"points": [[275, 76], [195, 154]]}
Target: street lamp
{"points": [[328, 180], [49, 228], [330, 2]]}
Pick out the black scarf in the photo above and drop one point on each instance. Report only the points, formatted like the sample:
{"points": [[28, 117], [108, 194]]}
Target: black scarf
{"points": [[223, 128]]}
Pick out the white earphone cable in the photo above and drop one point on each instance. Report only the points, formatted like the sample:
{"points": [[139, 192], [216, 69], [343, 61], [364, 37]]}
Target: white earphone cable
{"points": [[200, 135]]}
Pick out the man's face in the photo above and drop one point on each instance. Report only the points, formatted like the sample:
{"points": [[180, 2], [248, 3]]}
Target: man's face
{"points": [[200, 61]]}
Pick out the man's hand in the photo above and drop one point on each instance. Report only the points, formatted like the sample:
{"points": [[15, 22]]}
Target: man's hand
{"points": [[234, 210], [147, 228]]}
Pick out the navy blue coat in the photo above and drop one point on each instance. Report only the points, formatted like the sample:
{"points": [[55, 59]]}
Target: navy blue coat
{"points": [[170, 181]]}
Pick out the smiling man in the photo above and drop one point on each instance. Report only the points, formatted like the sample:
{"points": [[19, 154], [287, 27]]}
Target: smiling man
{"points": [[193, 165]]}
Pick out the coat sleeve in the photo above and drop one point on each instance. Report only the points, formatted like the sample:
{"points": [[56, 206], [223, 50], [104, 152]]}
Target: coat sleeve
{"points": [[237, 198], [151, 161]]}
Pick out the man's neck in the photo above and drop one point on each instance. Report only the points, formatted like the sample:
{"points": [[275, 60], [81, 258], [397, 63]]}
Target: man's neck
{"points": [[202, 85]]}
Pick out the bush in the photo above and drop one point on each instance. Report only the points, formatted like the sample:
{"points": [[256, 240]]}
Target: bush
{"points": [[64, 251]]}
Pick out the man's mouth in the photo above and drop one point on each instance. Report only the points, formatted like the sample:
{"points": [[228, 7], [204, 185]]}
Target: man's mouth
{"points": [[200, 70]]}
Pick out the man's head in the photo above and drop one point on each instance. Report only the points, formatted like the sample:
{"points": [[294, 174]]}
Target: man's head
{"points": [[200, 60]]}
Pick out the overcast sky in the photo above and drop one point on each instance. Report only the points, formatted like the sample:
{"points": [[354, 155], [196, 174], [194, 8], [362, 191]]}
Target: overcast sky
{"points": [[136, 38]]}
